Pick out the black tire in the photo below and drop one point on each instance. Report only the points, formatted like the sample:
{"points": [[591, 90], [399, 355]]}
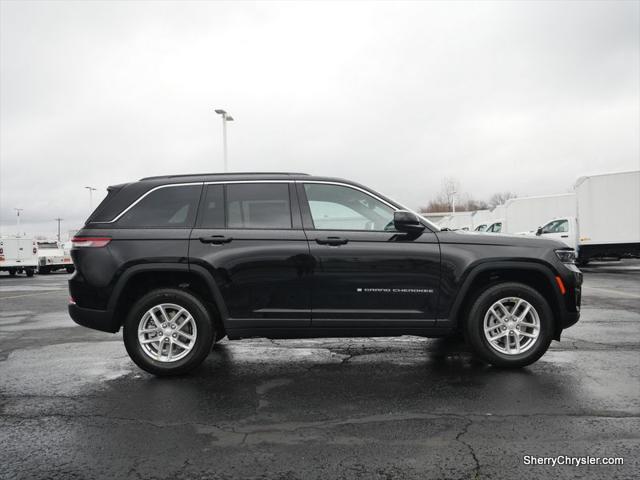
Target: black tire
{"points": [[29, 272], [474, 327], [205, 337], [12, 273], [70, 269]]}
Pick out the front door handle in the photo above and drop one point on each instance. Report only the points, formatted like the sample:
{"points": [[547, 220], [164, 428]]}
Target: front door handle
{"points": [[216, 239], [564, 236], [335, 241]]}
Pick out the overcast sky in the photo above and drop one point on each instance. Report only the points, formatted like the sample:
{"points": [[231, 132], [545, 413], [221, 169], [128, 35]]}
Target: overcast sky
{"points": [[503, 96]]}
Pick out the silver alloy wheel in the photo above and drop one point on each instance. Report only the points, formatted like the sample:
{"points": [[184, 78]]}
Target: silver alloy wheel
{"points": [[167, 332], [511, 325]]}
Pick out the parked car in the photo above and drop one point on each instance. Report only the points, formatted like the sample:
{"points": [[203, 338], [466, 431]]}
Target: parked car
{"points": [[179, 262], [52, 257], [18, 255], [607, 219]]}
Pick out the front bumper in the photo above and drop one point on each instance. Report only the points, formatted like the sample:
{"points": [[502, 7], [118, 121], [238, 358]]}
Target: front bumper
{"points": [[102, 320]]}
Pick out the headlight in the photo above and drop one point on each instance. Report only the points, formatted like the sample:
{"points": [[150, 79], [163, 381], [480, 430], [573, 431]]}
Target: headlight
{"points": [[566, 255]]}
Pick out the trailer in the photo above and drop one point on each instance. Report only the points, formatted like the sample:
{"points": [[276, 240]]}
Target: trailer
{"points": [[607, 219], [18, 255]]}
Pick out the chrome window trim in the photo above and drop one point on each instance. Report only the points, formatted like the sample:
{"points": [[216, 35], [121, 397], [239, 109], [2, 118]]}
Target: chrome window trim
{"points": [[226, 182], [141, 197]]}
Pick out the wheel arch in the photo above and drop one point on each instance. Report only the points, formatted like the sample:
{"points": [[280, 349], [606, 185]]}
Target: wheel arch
{"points": [[139, 279], [536, 275]]}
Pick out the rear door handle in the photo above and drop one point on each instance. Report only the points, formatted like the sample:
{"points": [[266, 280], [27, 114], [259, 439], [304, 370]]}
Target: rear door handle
{"points": [[335, 241], [216, 239]]}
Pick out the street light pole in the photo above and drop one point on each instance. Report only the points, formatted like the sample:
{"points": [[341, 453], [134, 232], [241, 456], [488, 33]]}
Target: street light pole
{"points": [[91, 190], [58, 220], [18, 210], [225, 118]]}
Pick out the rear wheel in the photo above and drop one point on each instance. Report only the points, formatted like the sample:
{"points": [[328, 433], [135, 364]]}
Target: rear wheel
{"points": [[510, 325], [70, 269], [12, 272], [29, 272], [168, 332]]}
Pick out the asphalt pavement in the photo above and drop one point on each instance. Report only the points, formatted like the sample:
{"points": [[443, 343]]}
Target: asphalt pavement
{"points": [[73, 406]]}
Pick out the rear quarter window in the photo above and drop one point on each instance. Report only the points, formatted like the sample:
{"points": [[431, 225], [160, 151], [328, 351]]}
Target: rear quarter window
{"points": [[166, 207]]}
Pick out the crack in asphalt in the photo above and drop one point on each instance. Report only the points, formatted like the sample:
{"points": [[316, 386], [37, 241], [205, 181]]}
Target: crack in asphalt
{"points": [[476, 469]]}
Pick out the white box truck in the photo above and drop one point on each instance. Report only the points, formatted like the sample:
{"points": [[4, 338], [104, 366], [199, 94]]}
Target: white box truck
{"points": [[607, 220], [525, 214], [461, 221], [497, 217], [481, 220], [18, 255]]}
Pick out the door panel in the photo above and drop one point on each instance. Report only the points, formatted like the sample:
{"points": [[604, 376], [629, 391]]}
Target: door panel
{"points": [[375, 279], [263, 273], [263, 276], [366, 274]]}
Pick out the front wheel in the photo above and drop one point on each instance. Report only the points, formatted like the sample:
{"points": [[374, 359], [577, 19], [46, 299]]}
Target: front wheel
{"points": [[168, 332], [29, 272], [510, 325]]}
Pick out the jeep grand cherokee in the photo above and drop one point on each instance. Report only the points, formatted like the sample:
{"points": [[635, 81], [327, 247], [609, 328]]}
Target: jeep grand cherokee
{"points": [[181, 261]]}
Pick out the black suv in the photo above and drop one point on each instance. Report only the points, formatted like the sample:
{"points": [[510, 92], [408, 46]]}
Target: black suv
{"points": [[182, 261]]}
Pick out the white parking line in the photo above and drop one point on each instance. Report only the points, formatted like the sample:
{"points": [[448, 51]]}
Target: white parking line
{"points": [[612, 292], [32, 294]]}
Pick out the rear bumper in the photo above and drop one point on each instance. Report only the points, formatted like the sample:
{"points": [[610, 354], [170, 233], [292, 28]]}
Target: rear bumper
{"points": [[101, 320]]}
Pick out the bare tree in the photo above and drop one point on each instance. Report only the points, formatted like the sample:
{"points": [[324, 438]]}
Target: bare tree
{"points": [[464, 202], [500, 198]]}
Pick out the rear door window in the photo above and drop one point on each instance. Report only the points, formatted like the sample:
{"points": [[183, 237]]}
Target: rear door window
{"points": [[258, 205], [167, 207]]}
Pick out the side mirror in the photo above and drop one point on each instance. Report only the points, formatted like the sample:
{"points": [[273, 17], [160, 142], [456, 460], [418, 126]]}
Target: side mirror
{"points": [[407, 222], [539, 231]]}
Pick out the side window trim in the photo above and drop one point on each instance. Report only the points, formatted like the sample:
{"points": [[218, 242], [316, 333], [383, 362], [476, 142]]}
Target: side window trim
{"points": [[187, 225], [295, 205], [148, 192]]}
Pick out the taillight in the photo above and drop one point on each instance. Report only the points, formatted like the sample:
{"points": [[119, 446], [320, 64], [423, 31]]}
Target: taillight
{"points": [[89, 242]]}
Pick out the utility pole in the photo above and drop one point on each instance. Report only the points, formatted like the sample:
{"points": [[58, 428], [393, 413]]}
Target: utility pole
{"points": [[18, 210], [225, 118], [58, 220], [91, 190]]}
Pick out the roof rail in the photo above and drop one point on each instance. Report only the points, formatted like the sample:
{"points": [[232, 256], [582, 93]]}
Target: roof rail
{"points": [[221, 174]]}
